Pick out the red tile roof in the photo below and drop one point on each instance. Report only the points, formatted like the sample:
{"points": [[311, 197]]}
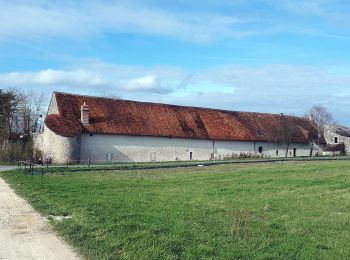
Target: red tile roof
{"points": [[123, 117], [63, 126]]}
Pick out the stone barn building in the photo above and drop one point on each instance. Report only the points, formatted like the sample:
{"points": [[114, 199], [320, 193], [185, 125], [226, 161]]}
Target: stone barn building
{"points": [[80, 128]]}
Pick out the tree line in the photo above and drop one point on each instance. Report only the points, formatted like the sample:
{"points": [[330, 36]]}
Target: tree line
{"points": [[21, 115]]}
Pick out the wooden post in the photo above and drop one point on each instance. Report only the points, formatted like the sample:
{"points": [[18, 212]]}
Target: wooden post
{"points": [[42, 173], [24, 168]]}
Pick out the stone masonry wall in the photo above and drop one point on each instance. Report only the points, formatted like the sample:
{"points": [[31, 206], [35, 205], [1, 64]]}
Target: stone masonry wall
{"points": [[329, 136], [60, 149]]}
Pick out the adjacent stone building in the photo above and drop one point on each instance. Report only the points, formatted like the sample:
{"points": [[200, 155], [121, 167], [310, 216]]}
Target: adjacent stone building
{"points": [[338, 140], [80, 128]]}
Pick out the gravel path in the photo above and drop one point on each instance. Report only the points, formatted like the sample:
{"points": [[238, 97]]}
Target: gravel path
{"points": [[24, 234]]}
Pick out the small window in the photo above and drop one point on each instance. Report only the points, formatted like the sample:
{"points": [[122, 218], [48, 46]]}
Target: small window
{"points": [[260, 149], [258, 132], [276, 152], [90, 134], [153, 157], [109, 156], [335, 140]]}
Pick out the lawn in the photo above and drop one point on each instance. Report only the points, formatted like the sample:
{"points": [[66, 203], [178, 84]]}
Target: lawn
{"points": [[289, 210]]}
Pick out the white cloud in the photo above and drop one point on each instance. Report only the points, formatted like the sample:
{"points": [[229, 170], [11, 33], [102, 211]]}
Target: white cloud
{"points": [[98, 77], [38, 20], [272, 88], [283, 87], [319, 14], [144, 83], [57, 77], [50, 77], [35, 20]]}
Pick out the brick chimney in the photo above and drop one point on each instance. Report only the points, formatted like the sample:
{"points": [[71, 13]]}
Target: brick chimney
{"points": [[85, 111]]}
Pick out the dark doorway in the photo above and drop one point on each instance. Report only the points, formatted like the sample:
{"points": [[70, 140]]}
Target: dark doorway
{"points": [[294, 152], [190, 155], [335, 140], [260, 149]]}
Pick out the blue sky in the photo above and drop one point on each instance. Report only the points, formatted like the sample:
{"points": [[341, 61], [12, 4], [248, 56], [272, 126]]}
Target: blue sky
{"points": [[268, 56]]}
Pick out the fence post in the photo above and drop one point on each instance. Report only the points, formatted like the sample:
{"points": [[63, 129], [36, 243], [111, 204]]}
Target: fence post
{"points": [[42, 173], [89, 162]]}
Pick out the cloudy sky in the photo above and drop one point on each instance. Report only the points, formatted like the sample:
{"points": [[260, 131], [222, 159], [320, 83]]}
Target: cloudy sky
{"points": [[279, 56]]}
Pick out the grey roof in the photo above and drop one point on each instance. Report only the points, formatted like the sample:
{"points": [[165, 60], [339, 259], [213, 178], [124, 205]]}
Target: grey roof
{"points": [[340, 130], [334, 148]]}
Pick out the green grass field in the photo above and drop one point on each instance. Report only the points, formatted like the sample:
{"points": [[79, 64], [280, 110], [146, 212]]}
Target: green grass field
{"points": [[295, 210]]}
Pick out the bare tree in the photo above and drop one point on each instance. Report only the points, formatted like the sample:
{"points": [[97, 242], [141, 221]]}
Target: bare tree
{"points": [[8, 108], [30, 111], [286, 132], [19, 114], [111, 95], [321, 117]]}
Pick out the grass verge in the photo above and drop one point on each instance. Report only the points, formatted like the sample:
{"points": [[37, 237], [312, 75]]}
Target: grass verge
{"points": [[298, 210]]}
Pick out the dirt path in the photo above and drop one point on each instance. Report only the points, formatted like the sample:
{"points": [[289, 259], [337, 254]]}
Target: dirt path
{"points": [[24, 234]]}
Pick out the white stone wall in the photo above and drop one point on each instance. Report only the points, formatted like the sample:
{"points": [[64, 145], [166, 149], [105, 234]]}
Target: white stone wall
{"points": [[38, 141], [329, 136], [143, 149], [60, 149], [53, 108], [225, 148]]}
